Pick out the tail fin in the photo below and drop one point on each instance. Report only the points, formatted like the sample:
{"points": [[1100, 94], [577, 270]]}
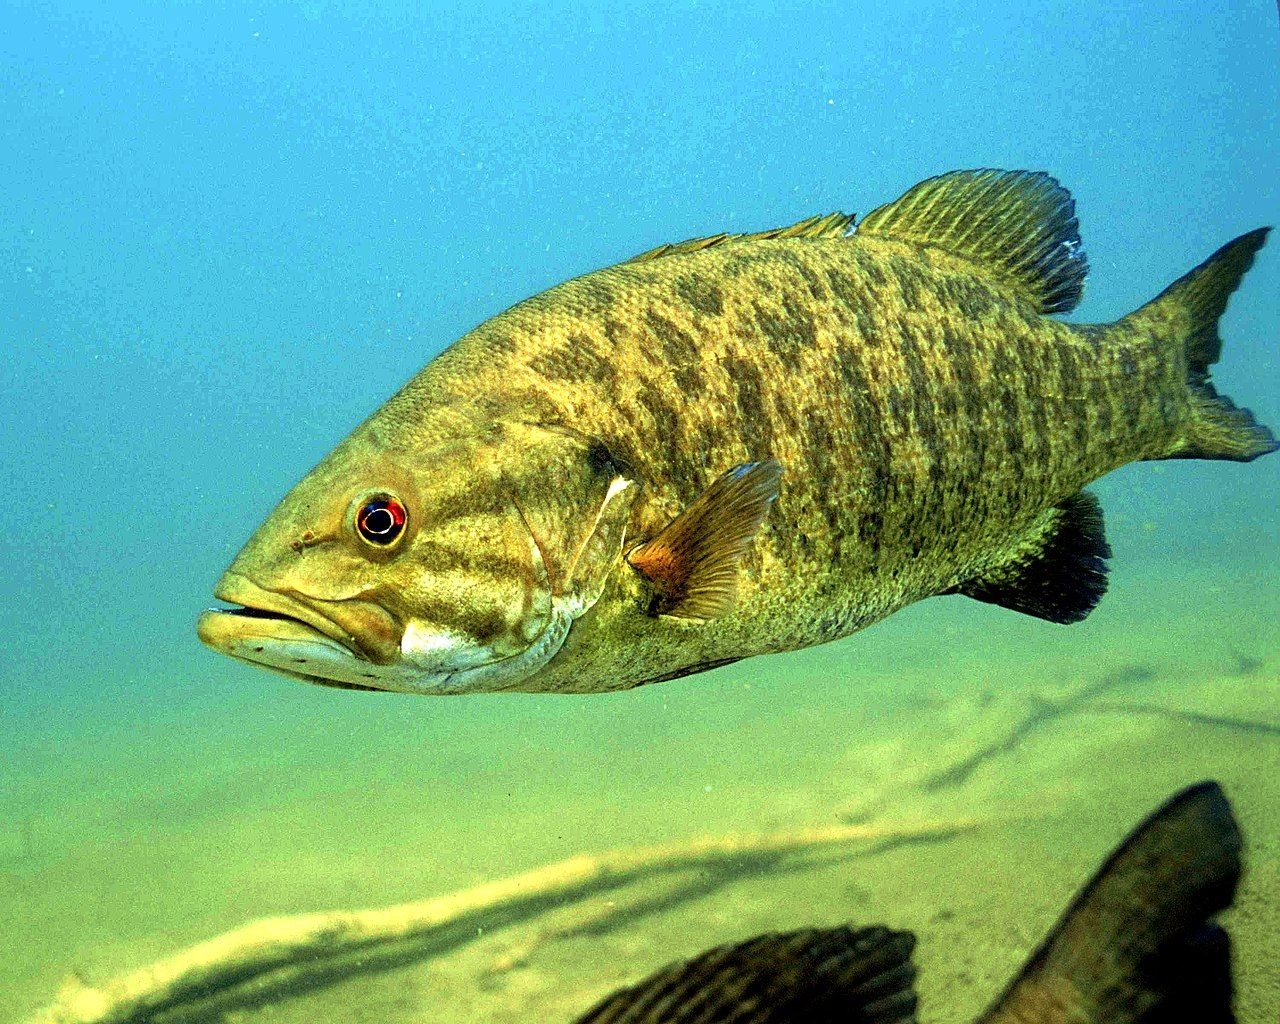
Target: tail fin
{"points": [[1138, 943], [1187, 312]]}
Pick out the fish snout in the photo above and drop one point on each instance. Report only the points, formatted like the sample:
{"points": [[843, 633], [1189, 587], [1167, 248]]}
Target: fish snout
{"points": [[363, 628]]}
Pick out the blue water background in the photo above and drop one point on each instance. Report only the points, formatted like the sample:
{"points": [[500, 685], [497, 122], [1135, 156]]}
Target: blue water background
{"points": [[229, 231]]}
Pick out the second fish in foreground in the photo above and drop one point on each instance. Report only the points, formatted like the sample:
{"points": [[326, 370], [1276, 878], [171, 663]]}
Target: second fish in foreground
{"points": [[1136, 946]]}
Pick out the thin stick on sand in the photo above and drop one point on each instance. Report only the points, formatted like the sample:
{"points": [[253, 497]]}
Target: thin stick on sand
{"points": [[280, 954]]}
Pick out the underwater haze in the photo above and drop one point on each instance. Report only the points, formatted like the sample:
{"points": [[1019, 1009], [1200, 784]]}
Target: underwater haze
{"points": [[230, 231]]}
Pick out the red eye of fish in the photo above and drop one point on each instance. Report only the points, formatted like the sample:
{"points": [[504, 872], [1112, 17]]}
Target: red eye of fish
{"points": [[381, 520]]}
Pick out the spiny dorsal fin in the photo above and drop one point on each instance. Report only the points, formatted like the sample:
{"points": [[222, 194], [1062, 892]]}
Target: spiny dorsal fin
{"points": [[692, 564], [1137, 944], [831, 225], [1058, 572], [1017, 226], [819, 976]]}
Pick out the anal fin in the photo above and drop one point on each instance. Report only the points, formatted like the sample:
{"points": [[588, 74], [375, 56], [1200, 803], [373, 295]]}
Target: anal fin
{"points": [[692, 564], [1058, 572]]}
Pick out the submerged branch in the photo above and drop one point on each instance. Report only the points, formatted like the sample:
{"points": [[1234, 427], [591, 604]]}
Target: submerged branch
{"points": [[1043, 712], [1193, 717], [275, 956]]}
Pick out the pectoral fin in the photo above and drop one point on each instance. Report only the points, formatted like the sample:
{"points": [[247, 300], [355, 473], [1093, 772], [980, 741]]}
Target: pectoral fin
{"points": [[692, 564], [1056, 572]]}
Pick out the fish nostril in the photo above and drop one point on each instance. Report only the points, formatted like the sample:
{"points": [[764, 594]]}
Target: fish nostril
{"points": [[306, 540]]}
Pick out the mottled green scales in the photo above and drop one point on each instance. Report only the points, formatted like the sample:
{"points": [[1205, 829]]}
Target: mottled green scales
{"points": [[933, 427]]}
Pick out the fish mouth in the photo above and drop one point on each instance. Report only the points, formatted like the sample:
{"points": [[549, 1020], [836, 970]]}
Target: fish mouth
{"points": [[283, 644], [277, 632], [255, 602]]}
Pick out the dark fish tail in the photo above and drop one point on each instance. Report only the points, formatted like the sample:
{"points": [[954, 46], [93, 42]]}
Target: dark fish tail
{"points": [[1186, 314], [1138, 943]]}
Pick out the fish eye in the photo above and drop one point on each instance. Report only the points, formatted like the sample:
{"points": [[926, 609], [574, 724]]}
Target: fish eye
{"points": [[381, 520]]}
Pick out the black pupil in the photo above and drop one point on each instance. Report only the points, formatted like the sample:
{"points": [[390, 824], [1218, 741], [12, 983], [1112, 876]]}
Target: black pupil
{"points": [[381, 521]]}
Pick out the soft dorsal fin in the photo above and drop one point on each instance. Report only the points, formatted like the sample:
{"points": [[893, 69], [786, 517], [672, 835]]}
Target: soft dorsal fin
{"points": [[831, 225], [818, 975], [692, 565], [1018, 227]]}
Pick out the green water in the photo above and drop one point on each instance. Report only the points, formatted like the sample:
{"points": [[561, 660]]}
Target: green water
{"points": [[282, 798], [229, 231]]}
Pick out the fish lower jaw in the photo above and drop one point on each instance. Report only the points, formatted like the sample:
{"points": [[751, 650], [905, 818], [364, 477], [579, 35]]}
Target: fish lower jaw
{"points": [[295, 649], [286, 645]]}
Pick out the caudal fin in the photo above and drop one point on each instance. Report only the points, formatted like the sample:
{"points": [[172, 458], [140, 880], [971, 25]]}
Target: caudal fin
{"points": [[1187, 313], [1138, 944]]}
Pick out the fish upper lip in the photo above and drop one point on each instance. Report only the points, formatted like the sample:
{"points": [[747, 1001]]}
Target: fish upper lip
{"points": [[257, 602]]}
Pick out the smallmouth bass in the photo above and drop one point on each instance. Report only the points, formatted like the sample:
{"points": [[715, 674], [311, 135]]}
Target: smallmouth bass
{"points": [[737, 445]]}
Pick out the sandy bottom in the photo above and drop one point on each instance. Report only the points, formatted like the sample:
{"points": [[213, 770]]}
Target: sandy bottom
{"points": [[127, 840]]}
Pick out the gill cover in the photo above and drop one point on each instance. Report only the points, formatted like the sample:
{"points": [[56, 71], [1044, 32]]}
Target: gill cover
{"points": [[576, 500], [573, 502]]}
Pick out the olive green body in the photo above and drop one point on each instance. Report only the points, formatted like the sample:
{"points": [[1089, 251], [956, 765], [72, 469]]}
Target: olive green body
{"points": [[738, 445], [924, 417]]}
